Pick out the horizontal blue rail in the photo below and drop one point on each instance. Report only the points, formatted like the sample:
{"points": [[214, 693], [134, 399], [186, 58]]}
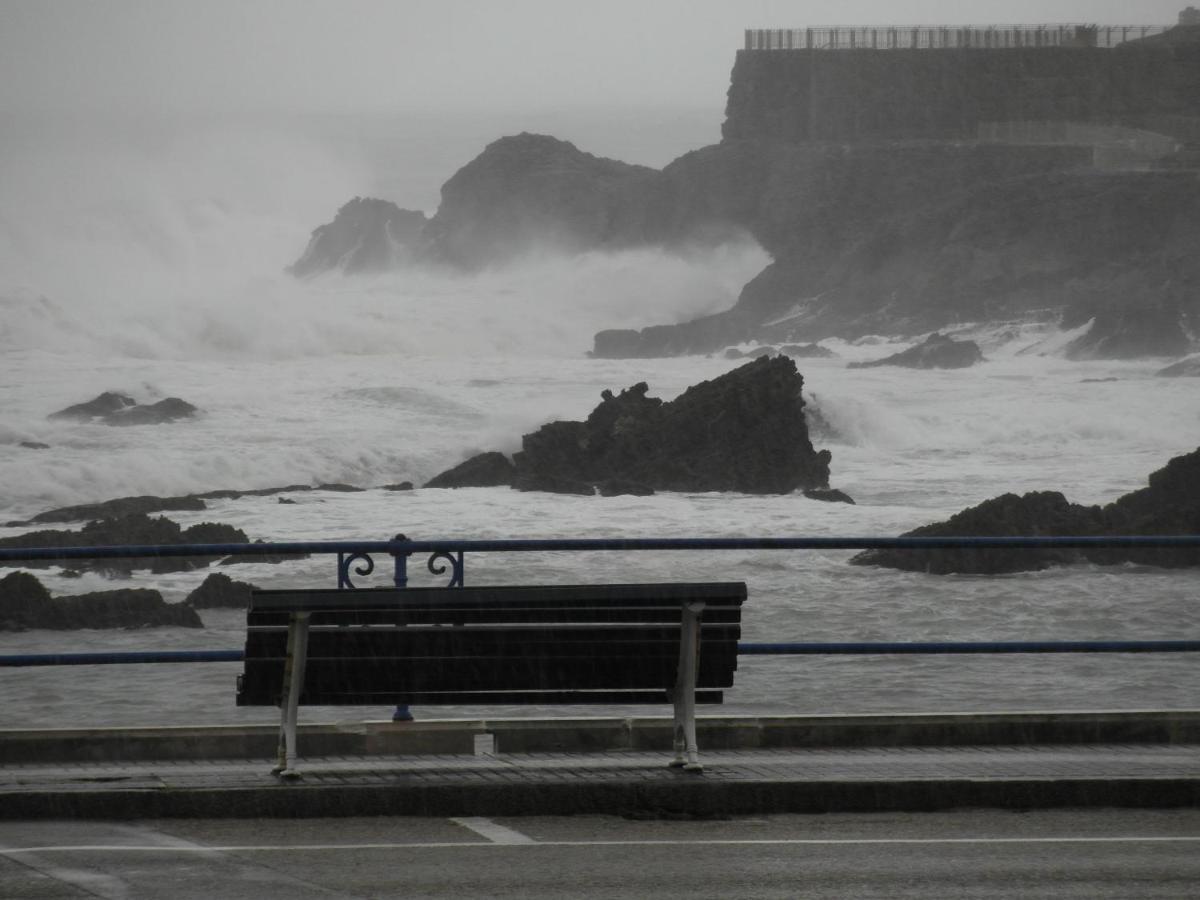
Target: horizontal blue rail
{"points": [[869, 648], [517, 545]]}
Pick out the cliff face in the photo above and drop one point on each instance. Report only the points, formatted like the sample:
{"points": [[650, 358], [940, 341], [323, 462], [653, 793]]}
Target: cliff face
{"points": [[909, 238]]}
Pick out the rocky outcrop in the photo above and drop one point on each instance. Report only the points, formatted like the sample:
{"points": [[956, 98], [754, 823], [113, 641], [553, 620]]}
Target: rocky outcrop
{"points": [[219, 590], [484, 470], [1169, 505], [121, 506], [533, 193], [366, 235], [117, 409], [135, 529], [912, 238], [936, 352], [744, 431], [25, 603]]}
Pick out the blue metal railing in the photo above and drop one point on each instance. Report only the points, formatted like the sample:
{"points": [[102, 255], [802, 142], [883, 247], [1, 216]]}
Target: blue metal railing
{"points": [[451, 553]]}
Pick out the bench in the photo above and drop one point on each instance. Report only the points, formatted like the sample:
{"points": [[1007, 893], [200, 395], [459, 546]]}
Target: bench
{"points": [[610, 644]]}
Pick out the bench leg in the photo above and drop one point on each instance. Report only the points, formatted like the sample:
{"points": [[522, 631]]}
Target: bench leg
{"points": [[293, 683], [687, 753]]}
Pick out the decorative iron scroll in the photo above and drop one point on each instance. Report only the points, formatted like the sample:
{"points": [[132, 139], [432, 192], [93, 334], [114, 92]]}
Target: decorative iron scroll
{"points": [[345, 561], [456, 564]]}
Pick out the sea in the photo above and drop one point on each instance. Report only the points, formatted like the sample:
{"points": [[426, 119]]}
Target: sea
{"points": [[146, 254]]}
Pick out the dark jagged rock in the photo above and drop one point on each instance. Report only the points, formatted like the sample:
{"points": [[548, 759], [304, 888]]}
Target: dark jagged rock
{"points": [[135, 529], [744, 431], [830, 495], [1185, 368], [25, 603], [367, 235], [122, 506], [1169, 505], [100, 407], [485, 470], [936, 352], [339, 488], [33, 445], [219, 590], [117, 409], [399, 486]]}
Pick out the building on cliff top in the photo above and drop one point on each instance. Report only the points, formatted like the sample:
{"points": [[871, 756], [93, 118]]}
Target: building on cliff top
{"points": [[859, 84]]}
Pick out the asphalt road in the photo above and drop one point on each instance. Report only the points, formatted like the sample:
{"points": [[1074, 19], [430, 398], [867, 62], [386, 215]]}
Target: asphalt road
{"points": [[969, 854]]}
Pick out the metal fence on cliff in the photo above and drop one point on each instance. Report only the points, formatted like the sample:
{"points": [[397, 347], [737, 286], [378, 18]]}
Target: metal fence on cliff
{"points": [[944, 37]]}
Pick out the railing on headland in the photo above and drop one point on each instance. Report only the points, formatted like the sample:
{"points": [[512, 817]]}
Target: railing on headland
{"points": [[947, 37], [447, 558]]}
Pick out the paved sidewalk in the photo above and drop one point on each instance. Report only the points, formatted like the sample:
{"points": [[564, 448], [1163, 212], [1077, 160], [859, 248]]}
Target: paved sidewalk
{"points": [[631, 783]]}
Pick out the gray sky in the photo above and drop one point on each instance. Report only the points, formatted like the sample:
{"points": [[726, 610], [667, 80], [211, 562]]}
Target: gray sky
{"points": [[395, 55]]}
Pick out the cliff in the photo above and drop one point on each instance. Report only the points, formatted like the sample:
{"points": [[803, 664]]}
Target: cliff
{"points": [[859, 173]]}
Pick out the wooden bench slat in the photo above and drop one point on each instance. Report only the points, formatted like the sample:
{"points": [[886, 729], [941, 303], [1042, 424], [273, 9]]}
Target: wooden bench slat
{"points": [[397, 616], [499, 595], [461, 642], [486, 698], [483, 673]]}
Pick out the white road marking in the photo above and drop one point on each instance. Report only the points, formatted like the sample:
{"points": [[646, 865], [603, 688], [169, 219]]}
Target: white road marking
{"points": [[493, 831], [521, 840]]}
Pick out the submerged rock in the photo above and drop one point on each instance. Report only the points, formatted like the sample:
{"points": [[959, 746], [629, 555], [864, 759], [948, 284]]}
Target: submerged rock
{"points": [[117, 409], [121, 506], [936, 352], [1170, 505], [25, 603], [99, 407], [829, 495], [135, 529], [744, 431]]}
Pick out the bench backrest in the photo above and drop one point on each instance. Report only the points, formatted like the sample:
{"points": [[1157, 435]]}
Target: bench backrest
{"points": [[480, 645]]}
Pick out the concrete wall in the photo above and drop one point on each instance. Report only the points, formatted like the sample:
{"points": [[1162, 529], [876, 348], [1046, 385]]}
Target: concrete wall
{"points": [[847, 95]]}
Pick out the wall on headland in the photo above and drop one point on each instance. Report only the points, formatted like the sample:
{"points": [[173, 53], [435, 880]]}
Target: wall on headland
{"points": [[849, 95]]}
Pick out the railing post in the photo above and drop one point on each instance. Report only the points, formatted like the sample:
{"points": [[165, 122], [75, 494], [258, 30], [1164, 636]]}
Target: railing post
{"points": [[402, 713]]}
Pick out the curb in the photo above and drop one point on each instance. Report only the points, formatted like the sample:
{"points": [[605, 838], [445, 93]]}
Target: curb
{"points": [[594, 735], [688, 798]]}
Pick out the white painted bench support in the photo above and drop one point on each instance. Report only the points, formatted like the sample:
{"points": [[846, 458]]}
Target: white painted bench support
{"points": [[687, 754], [293, 683]]}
